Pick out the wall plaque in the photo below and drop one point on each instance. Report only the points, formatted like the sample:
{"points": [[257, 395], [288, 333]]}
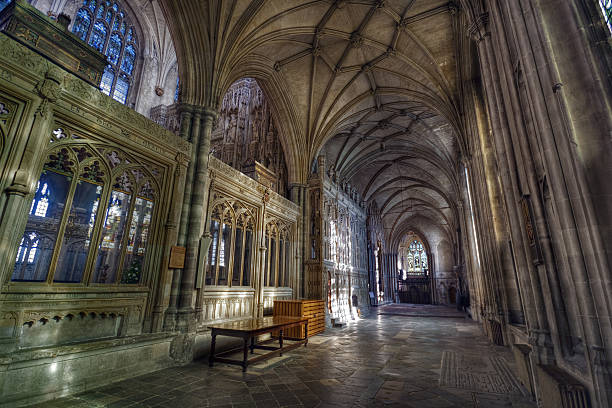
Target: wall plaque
{"points": [[177, 257]]}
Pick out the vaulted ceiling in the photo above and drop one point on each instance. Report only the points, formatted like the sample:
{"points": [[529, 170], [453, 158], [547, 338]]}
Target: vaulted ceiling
{"points": [[374, 85]]}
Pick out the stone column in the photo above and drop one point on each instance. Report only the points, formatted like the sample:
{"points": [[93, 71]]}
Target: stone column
{"points": [[185, 133], [297, 193], [503, 141], [199, 196]]}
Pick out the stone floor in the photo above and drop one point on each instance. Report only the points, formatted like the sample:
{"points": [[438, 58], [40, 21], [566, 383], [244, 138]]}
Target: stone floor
{"points": [[436, 359]]}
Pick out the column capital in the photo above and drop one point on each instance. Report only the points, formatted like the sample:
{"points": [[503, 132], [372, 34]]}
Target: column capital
{"points": [[479, 29]]}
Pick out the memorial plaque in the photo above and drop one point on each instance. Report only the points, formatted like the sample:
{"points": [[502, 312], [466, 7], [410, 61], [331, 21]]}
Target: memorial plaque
{"points": [[177, 257]]}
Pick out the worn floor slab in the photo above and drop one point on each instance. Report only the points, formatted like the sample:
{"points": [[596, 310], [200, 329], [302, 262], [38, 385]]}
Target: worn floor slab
{"points": [[381, 361]]}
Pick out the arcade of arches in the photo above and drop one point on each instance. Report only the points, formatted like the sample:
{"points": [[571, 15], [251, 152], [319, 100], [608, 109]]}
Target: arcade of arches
{"points": [[364, 153]]}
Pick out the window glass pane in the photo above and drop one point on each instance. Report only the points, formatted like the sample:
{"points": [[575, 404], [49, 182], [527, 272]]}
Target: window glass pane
{"points": [[224, 254], [38, 241], [281, 263], [107, 80], [100, 12], [606, 8], [123, 27], [108, 17], [287, 259], [77, 237], [109, 251], [237, 257], [81, 24], [114, 49], [116, 23], [272, 262], [121, 89], [98, 36], [91, 4], [212, 252], [246, 269], [137, 241], [130, 34], [129, 56]]}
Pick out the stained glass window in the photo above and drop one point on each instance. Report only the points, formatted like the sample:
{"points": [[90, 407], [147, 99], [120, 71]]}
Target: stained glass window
{"points": [[137, 240], [237, 256], [77, 237], [113, 35], [246, 269], [416, 258], [224, 254], [107, 263], [212, 252], [606, 8], [39, 239]]}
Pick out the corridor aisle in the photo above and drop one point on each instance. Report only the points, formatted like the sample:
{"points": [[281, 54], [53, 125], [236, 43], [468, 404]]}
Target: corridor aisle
{"points": [[380, 361]]}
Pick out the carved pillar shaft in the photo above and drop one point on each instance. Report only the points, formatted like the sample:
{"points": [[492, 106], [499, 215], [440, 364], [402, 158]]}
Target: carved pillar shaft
{"points": [[24, 180], [199, 194], [186, 117]]}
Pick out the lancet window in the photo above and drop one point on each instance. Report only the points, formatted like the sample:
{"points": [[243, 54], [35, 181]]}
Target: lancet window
{"points": [[106, 27], [230, 254], [89, 221], [277, 241]]}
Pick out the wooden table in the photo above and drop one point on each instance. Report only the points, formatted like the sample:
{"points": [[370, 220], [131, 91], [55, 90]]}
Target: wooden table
{"points": [[247, 330]]}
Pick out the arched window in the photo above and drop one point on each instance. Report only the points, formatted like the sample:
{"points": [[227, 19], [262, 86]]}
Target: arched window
{"points": [[231, 249], [417, 259], [104, 26], [82, 227], [606, 8]]}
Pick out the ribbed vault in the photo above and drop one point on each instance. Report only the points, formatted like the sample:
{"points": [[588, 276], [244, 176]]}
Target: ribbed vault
{"points": [[375, 82]]}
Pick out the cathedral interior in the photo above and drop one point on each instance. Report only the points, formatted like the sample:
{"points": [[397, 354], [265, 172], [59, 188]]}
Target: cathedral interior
{"points": [[430, 179]]}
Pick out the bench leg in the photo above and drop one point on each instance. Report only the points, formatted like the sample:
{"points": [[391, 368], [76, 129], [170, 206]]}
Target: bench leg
{"points": [[252, 344], [280, 341], [211, 356], [245, 354], [306, 334]]}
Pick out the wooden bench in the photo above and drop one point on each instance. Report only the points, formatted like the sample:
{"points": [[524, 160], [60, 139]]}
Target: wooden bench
{"points": [[248, 330]]}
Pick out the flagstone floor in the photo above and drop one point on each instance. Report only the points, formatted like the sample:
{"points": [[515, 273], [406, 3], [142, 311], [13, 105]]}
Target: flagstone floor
{"points": [[434, 360]]}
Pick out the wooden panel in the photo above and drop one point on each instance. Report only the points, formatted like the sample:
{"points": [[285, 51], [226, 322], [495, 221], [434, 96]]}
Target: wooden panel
{"points": [[314, 310]]}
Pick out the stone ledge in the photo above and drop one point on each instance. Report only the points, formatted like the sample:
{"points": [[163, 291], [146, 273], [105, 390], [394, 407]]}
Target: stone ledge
{"points": [[30, 357]]}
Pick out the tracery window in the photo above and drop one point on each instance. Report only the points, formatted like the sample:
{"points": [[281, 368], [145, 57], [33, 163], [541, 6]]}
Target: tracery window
{"points": [[278, 255], [414, 259], [105, 26], [606, 8], [231, 249], [75, 229]]}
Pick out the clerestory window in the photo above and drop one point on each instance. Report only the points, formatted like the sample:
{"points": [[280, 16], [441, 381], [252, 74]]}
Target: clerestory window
{"points": [[106, 27]]}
